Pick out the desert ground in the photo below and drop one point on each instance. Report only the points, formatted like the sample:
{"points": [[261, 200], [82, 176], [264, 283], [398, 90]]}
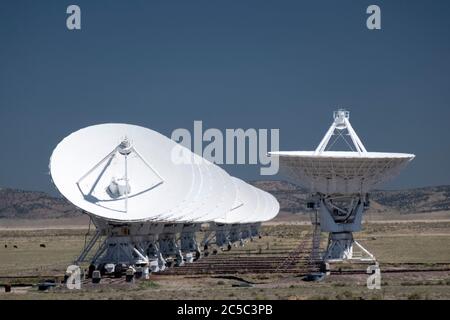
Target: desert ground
{"points": [[413, 251]]}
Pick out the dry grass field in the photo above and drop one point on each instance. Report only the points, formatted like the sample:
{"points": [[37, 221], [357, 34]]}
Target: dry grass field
{"points": [[422, 246]]}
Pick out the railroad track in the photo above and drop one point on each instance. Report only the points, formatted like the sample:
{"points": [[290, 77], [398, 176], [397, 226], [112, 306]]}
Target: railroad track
{"points": [[395, 268], [262, 268], [286, 261]]}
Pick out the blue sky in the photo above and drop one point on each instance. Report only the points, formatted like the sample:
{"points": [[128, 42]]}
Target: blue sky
{"points": [[231, 64]]}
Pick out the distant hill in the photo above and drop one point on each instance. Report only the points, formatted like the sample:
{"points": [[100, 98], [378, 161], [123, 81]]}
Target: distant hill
{"points": [[415, 200], [34, 205], [39, 205]]}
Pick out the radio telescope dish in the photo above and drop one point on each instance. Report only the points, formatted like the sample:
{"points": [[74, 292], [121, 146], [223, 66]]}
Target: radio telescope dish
{"points": [[339, 182], [221, 198], [341, 172], [272, 208], [120, 172], [212, 194], [351, 171], [251, 205], [267, 209], [244, 205], [221, 195]]}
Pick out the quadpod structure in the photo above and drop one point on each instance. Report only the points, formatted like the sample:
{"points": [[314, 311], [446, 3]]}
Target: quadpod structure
{"points": [[148, 198], [339, 183]]}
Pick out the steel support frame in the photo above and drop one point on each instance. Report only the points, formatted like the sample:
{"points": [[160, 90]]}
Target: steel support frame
{"points": [[340, 225]]}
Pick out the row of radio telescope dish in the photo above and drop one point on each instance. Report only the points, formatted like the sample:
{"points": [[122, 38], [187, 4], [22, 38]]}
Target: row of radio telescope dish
{"points": [[149, 196]]}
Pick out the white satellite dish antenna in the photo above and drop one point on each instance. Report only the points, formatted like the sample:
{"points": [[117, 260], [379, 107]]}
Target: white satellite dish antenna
{"points": [[220, 199], [272, 208], [339, 181], [215, 196], [259, 213], [120, 172], [211, 196], [268, 208], [124, 177], [139, 197], [244, 219], [244, 205]]}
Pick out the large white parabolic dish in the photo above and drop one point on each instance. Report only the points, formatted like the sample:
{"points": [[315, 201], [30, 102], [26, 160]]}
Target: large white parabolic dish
{"points": [[210, 198], [245, 203], [355, 171], [268, 208], [88, 168], [273, 207], [340, 182], [252, 205], [341, 171]]}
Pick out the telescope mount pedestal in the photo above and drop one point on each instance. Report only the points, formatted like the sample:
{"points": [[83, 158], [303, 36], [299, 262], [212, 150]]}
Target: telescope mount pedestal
{"points": [[340, 215]]}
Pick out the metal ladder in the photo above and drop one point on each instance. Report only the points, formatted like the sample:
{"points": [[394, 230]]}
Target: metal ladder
{"points": [[315, 256]]}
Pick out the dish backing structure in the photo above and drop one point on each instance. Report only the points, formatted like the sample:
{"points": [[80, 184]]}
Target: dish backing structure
{"points": [[339, 183], [149, 196]]}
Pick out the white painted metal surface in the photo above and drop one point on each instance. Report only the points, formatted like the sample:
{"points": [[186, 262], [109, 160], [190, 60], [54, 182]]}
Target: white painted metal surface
{"points": [[343, 171], [84, 164], [351, 171], [245, 203]]}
